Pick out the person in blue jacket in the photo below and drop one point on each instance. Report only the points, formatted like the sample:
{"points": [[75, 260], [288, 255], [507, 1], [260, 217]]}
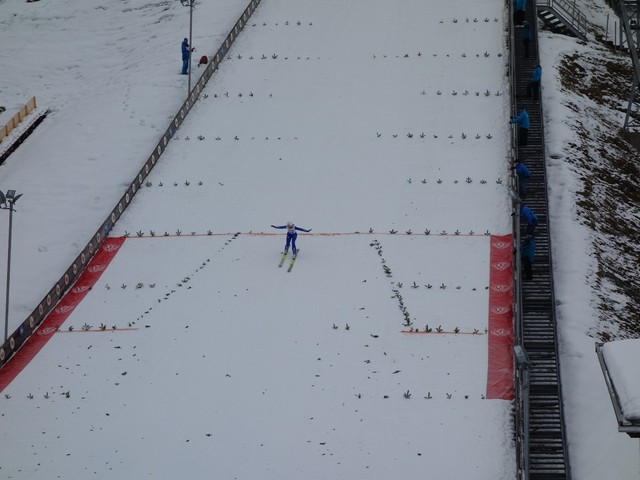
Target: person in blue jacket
{"points": [[524, 175], [292, 234], [519, 14], [186, 54], [522, 120], [528, 216], [528, 255], [526, 37], [533, 87]]}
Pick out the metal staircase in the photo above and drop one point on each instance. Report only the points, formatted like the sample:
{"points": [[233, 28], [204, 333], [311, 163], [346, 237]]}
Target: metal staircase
{"points": [[540, 428], [562, 16]]}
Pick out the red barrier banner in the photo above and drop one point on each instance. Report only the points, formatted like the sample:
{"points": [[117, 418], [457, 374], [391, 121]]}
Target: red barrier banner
{"points": [[500, 325], [61, 312]]}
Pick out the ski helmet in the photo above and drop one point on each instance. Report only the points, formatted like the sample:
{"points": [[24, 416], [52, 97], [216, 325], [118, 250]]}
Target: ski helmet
{"points": [[289, 224]]}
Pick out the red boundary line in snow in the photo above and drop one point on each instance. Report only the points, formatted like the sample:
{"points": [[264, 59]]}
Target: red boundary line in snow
{"points": [[61, 312], [500, 328]]}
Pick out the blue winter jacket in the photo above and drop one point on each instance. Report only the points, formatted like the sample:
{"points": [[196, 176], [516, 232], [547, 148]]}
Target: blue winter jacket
{"points": [[528, 215], [528, 249], [537, 74], [522, 120], [520, 4], [185, 49], [523, 171]]}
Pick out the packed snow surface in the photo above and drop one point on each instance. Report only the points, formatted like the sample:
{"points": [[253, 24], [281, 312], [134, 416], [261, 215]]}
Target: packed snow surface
{"points": [[356, 119]]}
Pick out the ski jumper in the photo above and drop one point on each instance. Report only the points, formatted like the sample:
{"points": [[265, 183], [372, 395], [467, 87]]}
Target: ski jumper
{"points": [[292, 234]]}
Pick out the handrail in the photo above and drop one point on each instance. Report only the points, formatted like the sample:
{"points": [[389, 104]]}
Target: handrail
{"points": [[521, 378]]}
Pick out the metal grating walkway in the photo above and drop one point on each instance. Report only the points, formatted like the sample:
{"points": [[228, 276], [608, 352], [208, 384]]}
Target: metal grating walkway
{"points": [[547, 456]]}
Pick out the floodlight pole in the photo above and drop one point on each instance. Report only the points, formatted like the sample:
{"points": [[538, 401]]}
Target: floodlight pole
{"points": [[9, 200], [190, 4], [6, 306]]}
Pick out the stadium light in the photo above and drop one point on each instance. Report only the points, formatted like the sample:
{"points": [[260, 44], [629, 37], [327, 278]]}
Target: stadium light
{"points": [[190, 4], [7, 202]]}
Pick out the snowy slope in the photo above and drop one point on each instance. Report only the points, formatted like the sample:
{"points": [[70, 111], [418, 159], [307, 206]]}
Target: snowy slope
{"points": [[306, 373], [222, 364], [109, 75]]}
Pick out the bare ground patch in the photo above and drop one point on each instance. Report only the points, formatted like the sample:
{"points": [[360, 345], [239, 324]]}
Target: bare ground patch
{"points": [[607, 160]]}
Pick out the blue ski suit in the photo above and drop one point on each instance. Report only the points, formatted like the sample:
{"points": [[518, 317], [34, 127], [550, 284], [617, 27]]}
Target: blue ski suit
{"points": [[292, 234]]}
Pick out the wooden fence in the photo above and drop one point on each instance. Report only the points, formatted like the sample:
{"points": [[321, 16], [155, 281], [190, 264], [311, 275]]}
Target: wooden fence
{"points": [[26, 109]]}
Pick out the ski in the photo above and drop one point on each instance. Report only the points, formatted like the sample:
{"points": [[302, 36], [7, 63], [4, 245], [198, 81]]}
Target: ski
{"points": [[284, 255], [293, 260]]}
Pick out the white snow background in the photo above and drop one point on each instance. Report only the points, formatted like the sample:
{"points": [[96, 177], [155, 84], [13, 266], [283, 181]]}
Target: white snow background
{"points": [[236, 369]]}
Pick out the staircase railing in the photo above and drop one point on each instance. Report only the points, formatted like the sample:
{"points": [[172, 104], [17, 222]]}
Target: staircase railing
{"points": [[569, 11]]}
